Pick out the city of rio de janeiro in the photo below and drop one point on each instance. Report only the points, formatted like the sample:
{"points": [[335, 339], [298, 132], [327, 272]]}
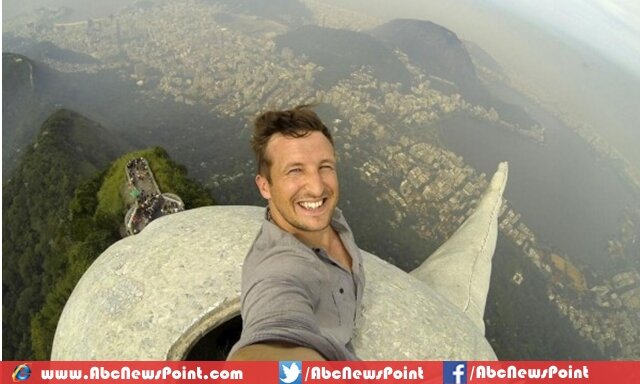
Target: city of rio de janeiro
{"points": [[424, 99]]}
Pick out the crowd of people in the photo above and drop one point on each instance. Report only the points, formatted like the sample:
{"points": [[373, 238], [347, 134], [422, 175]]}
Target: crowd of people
{"points": [[170, 207], [149, 202], [138, 168]]}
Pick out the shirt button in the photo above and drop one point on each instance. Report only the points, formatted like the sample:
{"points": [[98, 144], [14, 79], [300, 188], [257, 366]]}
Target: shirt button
{"points": [[341, 290]]}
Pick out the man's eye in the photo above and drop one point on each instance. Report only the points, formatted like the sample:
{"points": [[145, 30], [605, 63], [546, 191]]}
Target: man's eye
{"points": [[295, 170], [327, 166]]}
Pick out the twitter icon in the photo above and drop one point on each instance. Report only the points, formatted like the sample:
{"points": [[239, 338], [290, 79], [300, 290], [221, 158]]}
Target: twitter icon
{"points": [[290, 372]]}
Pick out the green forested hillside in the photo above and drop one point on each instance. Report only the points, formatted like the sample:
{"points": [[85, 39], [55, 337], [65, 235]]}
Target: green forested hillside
{"points": [[62, 207], [34, 202]]}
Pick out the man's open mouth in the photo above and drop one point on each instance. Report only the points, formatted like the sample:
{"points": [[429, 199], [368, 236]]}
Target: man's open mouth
{"points": [[312, 205]]}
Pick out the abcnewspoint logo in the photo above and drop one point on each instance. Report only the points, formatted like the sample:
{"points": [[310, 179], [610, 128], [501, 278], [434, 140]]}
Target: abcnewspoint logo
{"points": [[290, 372], [454, 372], [21, 373]]}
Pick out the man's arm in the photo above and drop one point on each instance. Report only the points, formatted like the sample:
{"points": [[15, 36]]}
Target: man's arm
{"points": [[275, 351]]}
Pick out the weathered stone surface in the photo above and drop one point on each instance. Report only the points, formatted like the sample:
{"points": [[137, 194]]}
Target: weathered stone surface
{"points": [[153, 295], [404, 319]]}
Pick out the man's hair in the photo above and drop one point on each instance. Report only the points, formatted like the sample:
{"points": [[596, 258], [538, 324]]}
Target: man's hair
{"points": [[297, 122]]}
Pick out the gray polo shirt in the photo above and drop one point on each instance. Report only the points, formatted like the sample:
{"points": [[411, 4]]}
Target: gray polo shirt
{"points": [[295, 294]]}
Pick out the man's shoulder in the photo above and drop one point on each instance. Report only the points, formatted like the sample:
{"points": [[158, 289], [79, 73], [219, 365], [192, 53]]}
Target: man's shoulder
{"points": [[272, 245], [280, 259]]}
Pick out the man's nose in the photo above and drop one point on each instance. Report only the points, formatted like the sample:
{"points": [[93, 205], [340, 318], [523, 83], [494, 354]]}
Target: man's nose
{"points": [[315, 184]]}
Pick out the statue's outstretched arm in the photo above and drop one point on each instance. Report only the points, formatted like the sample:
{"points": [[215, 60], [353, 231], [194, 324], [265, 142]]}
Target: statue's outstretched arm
{"points": [[460, 269]]}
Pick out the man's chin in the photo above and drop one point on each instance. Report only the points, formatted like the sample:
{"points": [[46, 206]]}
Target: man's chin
{"points": [[314, 223], [304, 227], [300, 219]]}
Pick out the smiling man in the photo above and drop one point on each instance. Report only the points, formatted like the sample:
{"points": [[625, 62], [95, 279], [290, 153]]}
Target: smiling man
{"points": [[302, 280]]}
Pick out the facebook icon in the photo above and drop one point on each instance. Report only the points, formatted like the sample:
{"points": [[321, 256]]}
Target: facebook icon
{"points": [[454, 372]]}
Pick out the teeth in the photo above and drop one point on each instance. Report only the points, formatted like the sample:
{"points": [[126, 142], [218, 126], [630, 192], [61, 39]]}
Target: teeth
{"points": [[311, 205]]}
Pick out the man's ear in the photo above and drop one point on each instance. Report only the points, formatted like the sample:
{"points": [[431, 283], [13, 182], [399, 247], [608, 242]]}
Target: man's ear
{"points": [[263, 186]]}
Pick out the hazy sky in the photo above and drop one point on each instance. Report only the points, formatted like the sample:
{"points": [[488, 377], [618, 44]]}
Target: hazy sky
{"points": [[612, 27]]}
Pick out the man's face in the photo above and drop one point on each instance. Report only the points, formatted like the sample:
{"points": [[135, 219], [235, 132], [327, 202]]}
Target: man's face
{"points": [[303, 192]]}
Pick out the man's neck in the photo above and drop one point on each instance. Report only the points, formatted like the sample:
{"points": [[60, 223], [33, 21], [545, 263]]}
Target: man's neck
{"points": [[320, 239], [327, 239], [331, 242]]}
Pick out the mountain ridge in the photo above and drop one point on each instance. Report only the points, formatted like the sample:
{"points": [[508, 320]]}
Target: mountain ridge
{"points": [[442, 55], [34, 200], [341, 52], [24, 106], [419, 39]]}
